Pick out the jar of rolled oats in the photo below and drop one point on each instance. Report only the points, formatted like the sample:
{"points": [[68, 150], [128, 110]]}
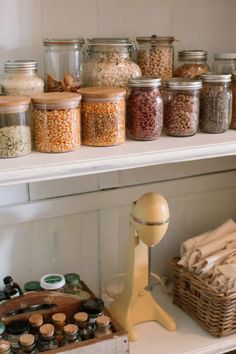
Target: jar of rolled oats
{"points": [[156, 56], [109, 62], [191, 63], [56, 121]]}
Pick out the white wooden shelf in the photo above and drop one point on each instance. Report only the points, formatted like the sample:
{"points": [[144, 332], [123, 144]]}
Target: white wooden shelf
{"points": [[189, 337], [91, 160]]}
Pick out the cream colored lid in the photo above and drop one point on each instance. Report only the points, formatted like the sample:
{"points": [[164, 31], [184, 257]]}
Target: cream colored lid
{"points": [[14, 101], [81, 317], [4, 345], [36, 320], [102, 92], [58, 317], [71, 329], [56, 97], [103, 321], [27, 340], [47, 330]]}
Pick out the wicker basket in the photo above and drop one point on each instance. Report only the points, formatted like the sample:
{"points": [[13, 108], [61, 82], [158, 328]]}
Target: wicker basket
{"points": [[215, 312]]}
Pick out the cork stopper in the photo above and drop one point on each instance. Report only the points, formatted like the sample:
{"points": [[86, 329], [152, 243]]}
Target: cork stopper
{"points": [[36, 320], [103, 321], [27, 340], [59, 318], [81, 317], [4, 345], [47, 330], [71, 329]]}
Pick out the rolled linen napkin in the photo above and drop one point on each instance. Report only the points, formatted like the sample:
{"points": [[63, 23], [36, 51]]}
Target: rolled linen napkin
{"points": [[224, 278]]}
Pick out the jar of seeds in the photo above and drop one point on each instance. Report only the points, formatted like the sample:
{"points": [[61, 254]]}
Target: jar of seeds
{"points": [[233, 88], [181, 106], [216, 103], [191, 63], [15, 126]]}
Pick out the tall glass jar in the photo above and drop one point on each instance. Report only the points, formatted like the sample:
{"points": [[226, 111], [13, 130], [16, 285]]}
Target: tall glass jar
{"points": [[224, 63], [145, 109], [216, 103], [63, 63], [109, 62], [21, 78], [181, 106], [156, 56], [191, 63], [233, 88]]}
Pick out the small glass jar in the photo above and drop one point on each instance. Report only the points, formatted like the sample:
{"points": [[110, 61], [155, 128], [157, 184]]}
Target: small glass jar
{"points": [[233, 88], [35, 321], [15, 126], [21, 78], [32, 285], [103, 116], [156, 56], [73, 286], [54, 282], [145, 109], [5, 347], [191, 64], [181, 106], [63, 63], [109, 62], [85, 329], [71, 335], [59, 321], [14, 330], [216, 103], [2, 330], [47, 340], [103, 326], [27, 344], [56, 119], [224, 63]]}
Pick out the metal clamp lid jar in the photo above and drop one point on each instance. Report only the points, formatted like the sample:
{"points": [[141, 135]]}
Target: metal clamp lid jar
{"points": [[181, 106], [224, 63], [191, 63]]}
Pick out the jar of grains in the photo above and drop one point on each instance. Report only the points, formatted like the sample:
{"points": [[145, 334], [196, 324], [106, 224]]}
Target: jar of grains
{"points": [[145, 108], [15, 126], [109, 62], [21, 78], [233, 88], [103, 116], [63, 60], [56, 119], [191, 63], [156, 56], [181, 106], [224, 63], [216, 103]]}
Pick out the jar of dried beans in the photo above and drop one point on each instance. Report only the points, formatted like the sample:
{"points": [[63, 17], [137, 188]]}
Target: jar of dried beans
{"points": [[56, 120], [181, 106], [224, 63], [145, 109], [216, 103], [109, 62], [156, 56], [103, 116], [63, 60], [233, 88], [191, 63]]}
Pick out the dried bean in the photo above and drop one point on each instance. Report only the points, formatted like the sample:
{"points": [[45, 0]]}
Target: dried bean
{"points": [[156, 62]]}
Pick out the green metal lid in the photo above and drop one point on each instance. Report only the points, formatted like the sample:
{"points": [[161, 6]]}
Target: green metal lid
{"points": [[32, 286], [72, 278], [2, 327]]}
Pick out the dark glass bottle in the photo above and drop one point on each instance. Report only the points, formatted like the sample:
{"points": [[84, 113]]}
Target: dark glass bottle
{"points": [[35, 322], [59, 321], [85, 329], [12, 289], [5, 347], [94, 308], [27, 344], [71, 334], [47, 340]]}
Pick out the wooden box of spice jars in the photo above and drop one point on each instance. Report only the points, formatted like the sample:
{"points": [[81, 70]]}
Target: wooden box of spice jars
{"points": [[63, 317]]}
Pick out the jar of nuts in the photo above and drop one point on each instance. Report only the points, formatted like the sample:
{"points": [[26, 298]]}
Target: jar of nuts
{"points": [[103, 116], [145, 108], [156, 56], [181, 106], [233, 88], [56, 120], [216, 103], [109, 62], [224, 63], [191, 63]]}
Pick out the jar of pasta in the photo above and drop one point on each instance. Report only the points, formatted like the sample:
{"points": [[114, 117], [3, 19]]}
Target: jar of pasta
{"points": [[191, 63]]}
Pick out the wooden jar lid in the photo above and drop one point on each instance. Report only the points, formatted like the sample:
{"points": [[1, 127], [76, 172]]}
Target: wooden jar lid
{"points": [[59, 318], [4, 345], [103, 321], [36, 320], [27, 340], [56, 97], [81, 317], [13, 101], [71, 329], [47, 330], [102, 92]]}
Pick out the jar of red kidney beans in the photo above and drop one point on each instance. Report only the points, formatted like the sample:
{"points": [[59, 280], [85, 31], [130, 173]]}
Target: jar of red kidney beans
{"points": [[144, 108]]}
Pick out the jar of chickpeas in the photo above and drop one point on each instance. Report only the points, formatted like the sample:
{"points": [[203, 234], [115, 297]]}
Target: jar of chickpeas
{"points": [[56, 121]]}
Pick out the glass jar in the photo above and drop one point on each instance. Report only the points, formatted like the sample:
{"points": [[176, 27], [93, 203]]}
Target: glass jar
{"points": [[54, 282], [2, 330], [233, 88], [21, 78], [109, 62], [144, 109], [191, 63], [32, 285], [103, 116], [73, 286], [15, 126], [47, 340], [224, 63], [14, 330], [85, 329], [94, 307], [63, 64], [59, 321], [156, 56], [181, 106], [35, 321], [5, 347], [216, 103], [56, 119], [27, 344], [103, 326], [71, 335]]}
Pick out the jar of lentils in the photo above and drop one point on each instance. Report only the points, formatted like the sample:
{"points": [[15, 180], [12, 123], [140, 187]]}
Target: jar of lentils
{"points": [[233, 88], [181, 106], [156, 56], [216, 103], [224, 63], [191, 63], [103, 116], [145, 108], [56, 120]]}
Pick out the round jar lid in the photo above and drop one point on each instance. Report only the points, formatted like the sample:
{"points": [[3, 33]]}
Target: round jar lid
{"points": [[26, 340], [55, 100], [103, 321], [32, 285], [145, 81], [71, 329], [4, 345], [47, 330], [36, 320], [225, 56], [14, 101], [120, 42], [193, 54], [215, 77], [102, 92], [156, 39], [17, 327], [20, 65], [59, 317], [93, 306], [63, 41], [182, 84], [52, 281], [72, 279], [81, 317]]}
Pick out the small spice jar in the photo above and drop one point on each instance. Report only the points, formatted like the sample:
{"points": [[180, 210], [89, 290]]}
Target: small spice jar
{"points": [[191, 63], [27, 344], [145, 109], [47, 340], [14, 330], [54, 282], [103, 326], [73, 286], [71, 334], [215, 103], [32, 285], [233, 88], [35, 321], [5, 347], [103, 116], [15, 126], [2, 330], [56, 119], [156, 56], [59, 321], [85, 329], [181, 106], [224, 63], [21, 78], [93, 307]]}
